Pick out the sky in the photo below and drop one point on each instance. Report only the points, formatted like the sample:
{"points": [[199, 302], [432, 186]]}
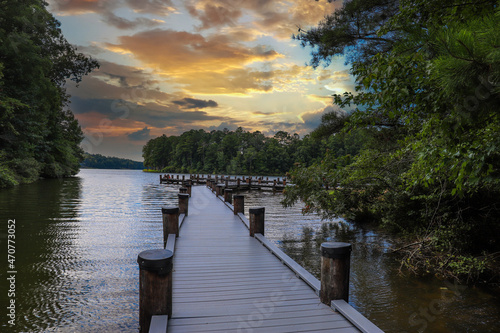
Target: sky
{"points": [[169, 66]]}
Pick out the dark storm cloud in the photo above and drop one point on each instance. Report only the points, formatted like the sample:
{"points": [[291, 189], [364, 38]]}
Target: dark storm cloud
{"points": [[192, 103]]}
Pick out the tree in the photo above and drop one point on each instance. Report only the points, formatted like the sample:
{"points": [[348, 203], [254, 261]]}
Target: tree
{"points": [[352, 30], [426, 102], [40, 136]]}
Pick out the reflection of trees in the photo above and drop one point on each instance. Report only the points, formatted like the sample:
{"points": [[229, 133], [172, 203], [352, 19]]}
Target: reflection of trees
{"points": [[45, 232]]}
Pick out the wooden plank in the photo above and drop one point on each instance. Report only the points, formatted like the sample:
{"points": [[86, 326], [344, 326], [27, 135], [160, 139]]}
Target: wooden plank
{"points": [[171, 243], [181, 219], [308, 278], [355, 317], [234, 319], [158, 324], [244, 220], [294, 324]]}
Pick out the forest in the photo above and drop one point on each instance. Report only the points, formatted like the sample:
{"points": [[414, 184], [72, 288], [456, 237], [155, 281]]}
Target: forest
{"points": [[39, 136], [427, 100], [98, 161], [238, 152]]}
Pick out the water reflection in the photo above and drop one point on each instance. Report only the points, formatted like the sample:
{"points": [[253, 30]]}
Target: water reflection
{"points": [[77, 242], [394, 302], [78, 239]]}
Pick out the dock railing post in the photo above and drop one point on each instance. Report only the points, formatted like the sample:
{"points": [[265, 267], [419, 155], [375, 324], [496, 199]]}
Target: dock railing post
{"points": [[335, 267], [218, 190], [228, 195], [239, 204], [256, 220], [183, 203], [170, 217], [188, 186], [155, 285]]}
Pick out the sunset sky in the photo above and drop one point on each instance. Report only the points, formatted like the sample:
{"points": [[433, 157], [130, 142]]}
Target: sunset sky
{"points": [[169, 66]]}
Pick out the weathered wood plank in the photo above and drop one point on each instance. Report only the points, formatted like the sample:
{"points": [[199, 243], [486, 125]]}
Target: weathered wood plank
{"points": [[159, 324], [304, 275], [171, 243], [355, 317]]}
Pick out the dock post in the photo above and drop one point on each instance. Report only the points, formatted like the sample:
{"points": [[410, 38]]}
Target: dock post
{"points": [[188, 186], [228, 195], [183, 203], [160, 179], [256, 220], [170, 217], [155, 285], [218, 190], [183, 190], [335, 267], [238, 183], [239, 204]]}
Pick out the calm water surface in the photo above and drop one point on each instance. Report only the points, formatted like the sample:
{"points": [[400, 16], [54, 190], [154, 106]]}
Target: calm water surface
{"points": [[77, 242]]}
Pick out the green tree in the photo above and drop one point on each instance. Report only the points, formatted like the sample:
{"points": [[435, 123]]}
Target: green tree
{"points": [[39, 135], [426, 104]]}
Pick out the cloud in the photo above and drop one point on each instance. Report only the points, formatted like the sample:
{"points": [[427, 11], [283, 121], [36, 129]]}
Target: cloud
{"points": [[214, 14], [123, 23], [192, 103], [150, 114], [312, 119], [279, 19], [180, 52], [157, 7], [141, 135], [107, 10]]}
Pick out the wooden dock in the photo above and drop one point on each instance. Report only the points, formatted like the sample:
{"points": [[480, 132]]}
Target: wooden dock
{"points": [[229, 182], [226, 281]]}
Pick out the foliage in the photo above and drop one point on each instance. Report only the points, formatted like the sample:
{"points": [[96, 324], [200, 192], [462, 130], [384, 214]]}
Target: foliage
{"points": [[231, 152], [39, 135], [98, 161], [428, 108]]}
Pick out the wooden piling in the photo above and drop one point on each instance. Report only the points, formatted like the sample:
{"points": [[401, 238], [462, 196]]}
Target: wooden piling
{"points": [[188, 186], [256, 220], [239, 204], [170, 222], [155, 285], [228, 195], [183, 203], [335, 267], [183, 190], [218, 190]]}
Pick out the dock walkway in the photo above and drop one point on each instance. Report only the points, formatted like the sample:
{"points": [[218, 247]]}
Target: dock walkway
{"points": [[226, 281]]}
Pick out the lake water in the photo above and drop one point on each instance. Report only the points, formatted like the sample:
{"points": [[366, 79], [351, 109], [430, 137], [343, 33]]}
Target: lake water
{"points": [[77, 242]]}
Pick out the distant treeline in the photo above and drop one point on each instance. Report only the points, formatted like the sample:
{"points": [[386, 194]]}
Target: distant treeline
{"points": [[233, 152], [98, 161]]}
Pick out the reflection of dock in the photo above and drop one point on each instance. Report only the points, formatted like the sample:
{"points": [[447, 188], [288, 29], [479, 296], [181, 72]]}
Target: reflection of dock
{"points": [[218, 279], [229, 182]]}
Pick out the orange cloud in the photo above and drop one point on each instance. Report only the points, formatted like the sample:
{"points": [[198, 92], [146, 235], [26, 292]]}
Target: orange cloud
{"points": [[107, 10], [179, 52], [279, 19]]}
